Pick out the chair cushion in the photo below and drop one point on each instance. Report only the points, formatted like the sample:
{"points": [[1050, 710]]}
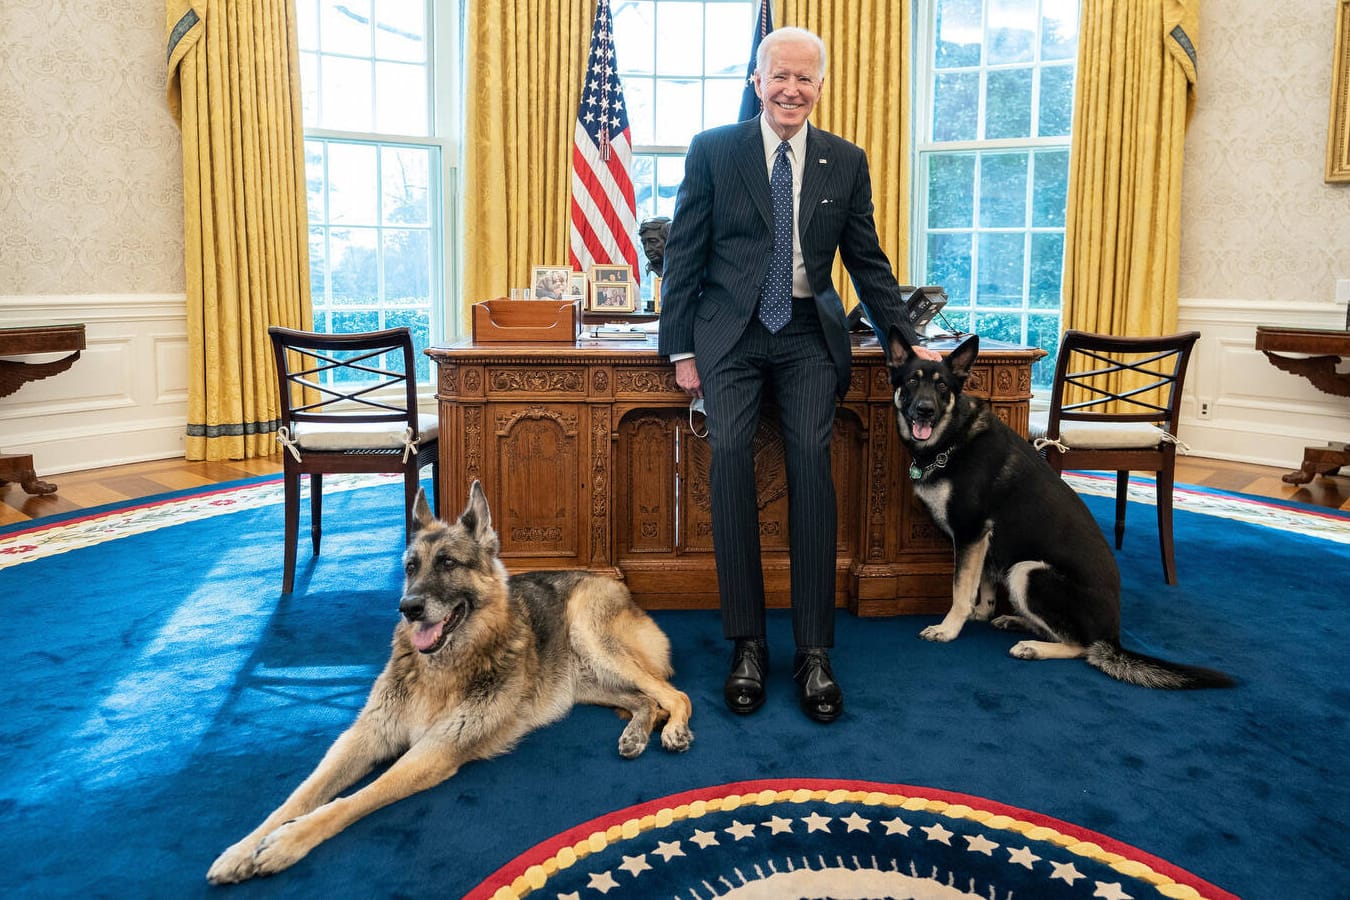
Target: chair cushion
{"points": [[361, 435], [1098, 435]]}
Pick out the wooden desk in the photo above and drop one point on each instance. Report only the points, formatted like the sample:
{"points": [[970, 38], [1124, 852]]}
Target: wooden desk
{"points": [[14, 374], [588, 462], [1326, 349]]}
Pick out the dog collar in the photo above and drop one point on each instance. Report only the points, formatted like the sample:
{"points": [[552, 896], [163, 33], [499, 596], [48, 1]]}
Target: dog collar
{"points": [[939, 462]]}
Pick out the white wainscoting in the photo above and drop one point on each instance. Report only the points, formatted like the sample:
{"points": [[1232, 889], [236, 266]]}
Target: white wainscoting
{"points": [[124, 400], [1236, 404]]}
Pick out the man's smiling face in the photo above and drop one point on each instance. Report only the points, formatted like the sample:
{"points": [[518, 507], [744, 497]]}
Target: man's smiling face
{"points": [[789, 85]]}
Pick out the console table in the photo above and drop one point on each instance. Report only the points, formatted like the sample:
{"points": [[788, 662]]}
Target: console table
{"points": [[14, 374], [1325, 349], [586, 455]]}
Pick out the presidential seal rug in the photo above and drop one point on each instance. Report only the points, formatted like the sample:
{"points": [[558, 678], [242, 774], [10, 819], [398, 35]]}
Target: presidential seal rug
{"points": [[785, 838]]}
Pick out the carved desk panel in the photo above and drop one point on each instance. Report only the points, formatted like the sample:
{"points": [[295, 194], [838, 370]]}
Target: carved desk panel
{"points": [[588, 462]]}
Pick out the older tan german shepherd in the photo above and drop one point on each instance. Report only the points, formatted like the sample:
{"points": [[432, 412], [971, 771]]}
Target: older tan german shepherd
{"points": [[479, 660]]}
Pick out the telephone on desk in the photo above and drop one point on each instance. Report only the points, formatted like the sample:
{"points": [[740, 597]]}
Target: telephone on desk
{"points": [[921, 305]]}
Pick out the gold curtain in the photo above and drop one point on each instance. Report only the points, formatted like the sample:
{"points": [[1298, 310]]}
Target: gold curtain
{"points": [[524, 64], [1134, 98], [234, 88], [867, 100]]}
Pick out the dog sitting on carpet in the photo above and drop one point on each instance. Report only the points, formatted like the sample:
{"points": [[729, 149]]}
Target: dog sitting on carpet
{"points": [[479, 660], [1015, 526]]}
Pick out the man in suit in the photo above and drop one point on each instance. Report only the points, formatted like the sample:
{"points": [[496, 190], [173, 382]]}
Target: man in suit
{"points": [[748, 305]]}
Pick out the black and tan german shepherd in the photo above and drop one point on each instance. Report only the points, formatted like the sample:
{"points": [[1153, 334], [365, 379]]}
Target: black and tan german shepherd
{"points": [[479, 660], [1017, 529]]}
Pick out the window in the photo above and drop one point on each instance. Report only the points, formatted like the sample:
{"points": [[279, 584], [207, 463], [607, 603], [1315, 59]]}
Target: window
{"points": [[373, 165], [683, 67], [995, 98]]}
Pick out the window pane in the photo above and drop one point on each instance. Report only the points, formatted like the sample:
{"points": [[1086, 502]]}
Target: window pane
{"points": [[1056, 113], [344, 27], [951, 190], [354, 271], [644, 185], [353, 189], [638, 94], [949, 259], [678, 105], [407, 266], [309, 89], [307, 23], [416, 322], [960, 33], [1008, 109], [404, 171], [314, 180], [1012, 31], [400, 30], [956, 106], [999, 326], [669, 174], [346, 93], [634, 31], [1043, 332], [402, 89], [729, 28], [1059, 29], [1051, 192], [318, 269], [722, 99], [1047, 270], [680, 48], [1003, 190], [1001, 267]]}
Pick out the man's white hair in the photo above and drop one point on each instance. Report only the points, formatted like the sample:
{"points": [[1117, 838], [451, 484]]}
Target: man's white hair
{"points": [[788, 34]]}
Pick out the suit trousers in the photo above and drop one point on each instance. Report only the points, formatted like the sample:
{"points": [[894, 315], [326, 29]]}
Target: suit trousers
{"points": [[794, 365]]}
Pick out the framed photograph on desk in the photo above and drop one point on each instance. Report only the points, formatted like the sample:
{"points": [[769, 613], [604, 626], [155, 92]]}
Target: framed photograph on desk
{"points": [[551, 282], [613, 297]]}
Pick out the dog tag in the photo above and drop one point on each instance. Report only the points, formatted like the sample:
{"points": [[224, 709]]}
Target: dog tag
{"points": [[915, 473]]}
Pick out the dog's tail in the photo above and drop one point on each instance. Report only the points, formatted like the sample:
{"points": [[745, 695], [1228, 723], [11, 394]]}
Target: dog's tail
{"points": [[1149, 671]]}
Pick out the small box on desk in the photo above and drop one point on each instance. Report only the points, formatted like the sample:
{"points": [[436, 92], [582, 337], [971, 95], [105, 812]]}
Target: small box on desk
{"points": [[503, 321]]}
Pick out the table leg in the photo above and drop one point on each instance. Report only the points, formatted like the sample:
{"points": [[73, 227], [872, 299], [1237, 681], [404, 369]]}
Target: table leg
{"points": [[1319, 461], [18, 468]]}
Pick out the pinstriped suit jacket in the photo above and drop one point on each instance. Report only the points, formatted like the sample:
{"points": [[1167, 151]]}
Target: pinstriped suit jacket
{"points": [[721, 238]]}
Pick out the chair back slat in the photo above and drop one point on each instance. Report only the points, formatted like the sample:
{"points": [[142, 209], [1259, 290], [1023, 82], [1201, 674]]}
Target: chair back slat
{"points": [[1102, 378], [346, 378]]}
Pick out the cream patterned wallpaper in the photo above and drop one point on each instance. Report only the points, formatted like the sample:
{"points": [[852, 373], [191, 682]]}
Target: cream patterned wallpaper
{"points": [[91, 178], [1257, 219], [91, 187]]}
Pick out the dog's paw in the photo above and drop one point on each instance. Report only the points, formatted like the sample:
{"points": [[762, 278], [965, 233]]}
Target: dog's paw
{"points": [[938, 633], [1024, 650], [633, 742], [283, 848], [235, 864], [1010, 623], [676, 739]]}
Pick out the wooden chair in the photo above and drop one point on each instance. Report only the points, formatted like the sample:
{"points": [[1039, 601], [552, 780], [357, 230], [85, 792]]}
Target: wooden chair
{"points": [[348, 404], [1115, 406]]}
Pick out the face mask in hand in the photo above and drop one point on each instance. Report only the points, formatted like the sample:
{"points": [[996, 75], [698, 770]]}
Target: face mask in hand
{"points": [[696, 407]]}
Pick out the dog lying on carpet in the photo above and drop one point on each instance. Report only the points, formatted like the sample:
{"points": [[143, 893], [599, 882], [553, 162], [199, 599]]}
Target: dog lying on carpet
{"points": [[479, 660], [1014, 525]]}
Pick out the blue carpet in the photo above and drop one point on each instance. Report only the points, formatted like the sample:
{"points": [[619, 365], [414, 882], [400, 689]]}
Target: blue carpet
{"points": [[159, 698]]}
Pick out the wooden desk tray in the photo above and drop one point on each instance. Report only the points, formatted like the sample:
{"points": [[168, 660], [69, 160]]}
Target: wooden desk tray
{"points": [[503, 321]]}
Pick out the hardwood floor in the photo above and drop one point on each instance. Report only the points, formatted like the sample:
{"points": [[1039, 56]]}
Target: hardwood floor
{"points": [[82, 490]]}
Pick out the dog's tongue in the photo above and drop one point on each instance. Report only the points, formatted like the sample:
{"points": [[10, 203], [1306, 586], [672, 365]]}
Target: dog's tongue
{"points": [[426, 634], [922, 430]]}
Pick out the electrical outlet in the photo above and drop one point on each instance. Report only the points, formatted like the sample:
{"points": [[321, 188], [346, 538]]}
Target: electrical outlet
{"points": [[1204, 409]]}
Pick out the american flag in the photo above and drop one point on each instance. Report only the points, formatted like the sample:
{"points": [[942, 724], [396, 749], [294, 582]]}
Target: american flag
{"points": [[604, 210], [750, 105]]}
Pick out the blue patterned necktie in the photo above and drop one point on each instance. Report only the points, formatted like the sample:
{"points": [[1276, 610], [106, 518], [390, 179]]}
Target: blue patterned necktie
{"points": [[775, 304]]}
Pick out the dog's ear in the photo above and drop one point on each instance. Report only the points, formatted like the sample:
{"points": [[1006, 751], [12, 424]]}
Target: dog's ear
{"points": [[421, 512], [898, 350], [476, 518], [963, 357]]}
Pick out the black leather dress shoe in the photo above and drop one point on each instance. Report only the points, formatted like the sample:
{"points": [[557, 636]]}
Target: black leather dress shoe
{"points": [[744, 690], [820, 695]]}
